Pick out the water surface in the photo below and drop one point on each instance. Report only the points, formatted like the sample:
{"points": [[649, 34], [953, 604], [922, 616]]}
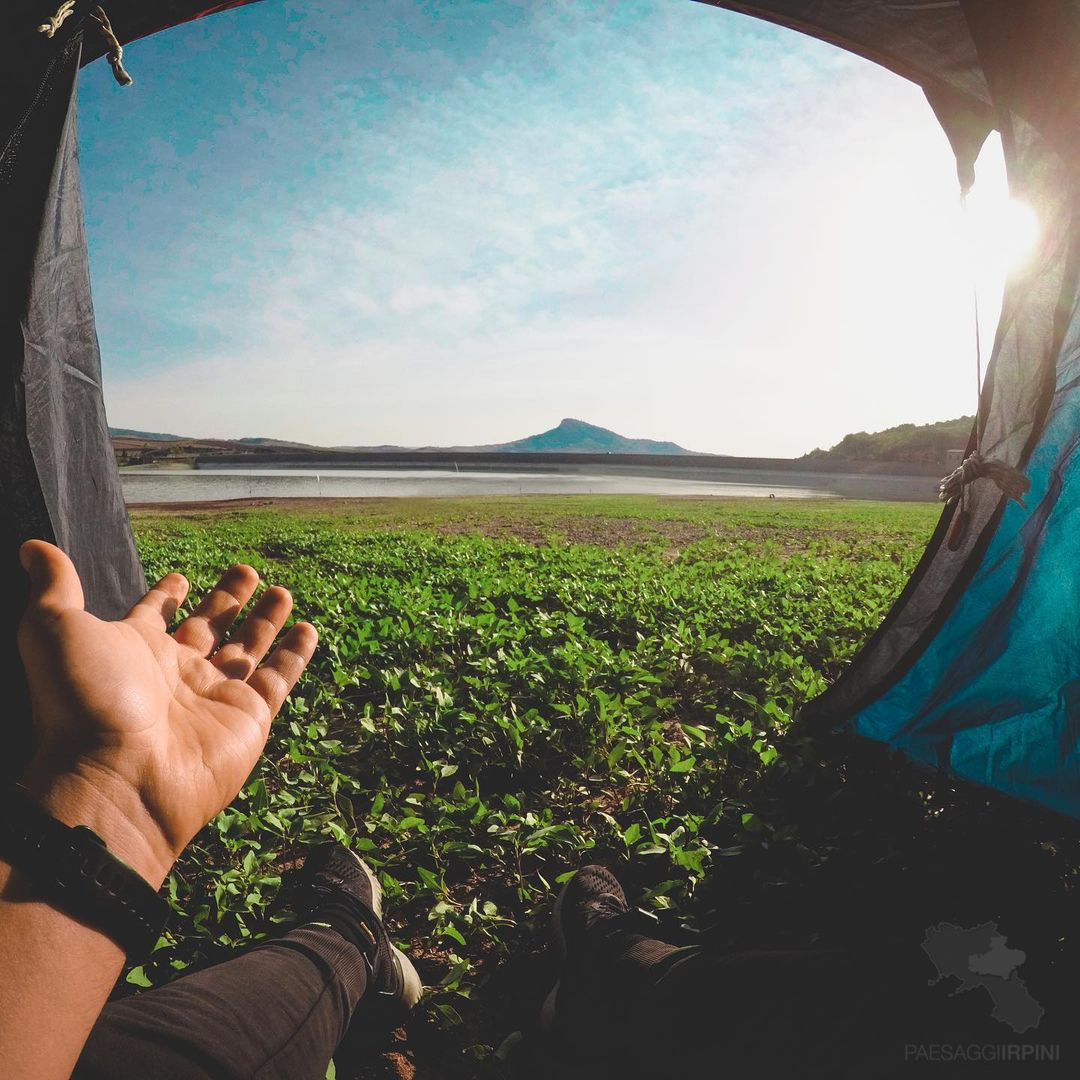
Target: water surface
{"points": [[152, 485]]}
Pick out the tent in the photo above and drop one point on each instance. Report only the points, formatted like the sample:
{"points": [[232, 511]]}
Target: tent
{"points": [[977, 667]]}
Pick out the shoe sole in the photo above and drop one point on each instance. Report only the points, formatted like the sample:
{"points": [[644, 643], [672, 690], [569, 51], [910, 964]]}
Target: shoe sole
{"points": [[546, 1021], [548, 1056], [412, 989]]}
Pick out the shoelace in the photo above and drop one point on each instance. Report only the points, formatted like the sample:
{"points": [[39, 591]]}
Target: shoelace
{"points": [[378, 955], [608, 906], [617, 918]]}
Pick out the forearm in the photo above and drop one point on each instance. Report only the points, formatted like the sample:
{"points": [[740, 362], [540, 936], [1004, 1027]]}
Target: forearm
{"points": [[57, 975], [56, 972], [143, 736]]}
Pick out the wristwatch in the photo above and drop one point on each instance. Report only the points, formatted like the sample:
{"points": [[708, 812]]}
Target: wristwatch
{"points": [[77, 874]]}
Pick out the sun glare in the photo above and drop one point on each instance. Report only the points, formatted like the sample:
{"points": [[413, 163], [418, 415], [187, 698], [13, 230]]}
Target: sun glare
{"points": [[1002, 232]]}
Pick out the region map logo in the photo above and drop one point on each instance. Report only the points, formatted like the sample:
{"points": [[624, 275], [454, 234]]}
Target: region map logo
{"points": [[981, 957]]}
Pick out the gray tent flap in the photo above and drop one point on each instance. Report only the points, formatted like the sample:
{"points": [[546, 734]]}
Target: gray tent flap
{"points": [[58, 478], [65, 413]]}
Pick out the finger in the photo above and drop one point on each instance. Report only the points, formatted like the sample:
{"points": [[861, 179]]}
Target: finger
{"points": [[158, 607], [240, 656], [273, 682], [208, 623], [54, 581]]}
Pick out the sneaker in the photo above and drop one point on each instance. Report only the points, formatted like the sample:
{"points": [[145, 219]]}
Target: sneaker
{"points": [[591, 908], [334, 875]]}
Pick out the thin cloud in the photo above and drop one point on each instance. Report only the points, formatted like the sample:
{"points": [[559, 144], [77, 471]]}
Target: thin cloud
{"points": [[671, 220]]}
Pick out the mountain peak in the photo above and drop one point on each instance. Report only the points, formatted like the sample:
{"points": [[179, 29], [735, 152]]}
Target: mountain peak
{"points": [[571, 436], [571, 424], [580, 437]]}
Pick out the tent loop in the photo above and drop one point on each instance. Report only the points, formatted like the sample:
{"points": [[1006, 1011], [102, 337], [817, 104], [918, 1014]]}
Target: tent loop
{"points": [[56, 21], [115, 53]]}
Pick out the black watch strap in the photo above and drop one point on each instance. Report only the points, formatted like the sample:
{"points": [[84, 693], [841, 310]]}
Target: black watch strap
{"points": [[78, 874]]}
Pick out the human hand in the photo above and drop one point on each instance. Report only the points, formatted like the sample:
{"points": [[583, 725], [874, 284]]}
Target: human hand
{"points": [[145, 735]]}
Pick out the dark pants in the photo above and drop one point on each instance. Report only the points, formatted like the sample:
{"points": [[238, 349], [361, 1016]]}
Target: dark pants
{"points": [[650, 1011], [870, 1014], [280, 1009]]}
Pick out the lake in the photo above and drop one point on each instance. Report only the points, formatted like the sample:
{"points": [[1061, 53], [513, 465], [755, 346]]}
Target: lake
{"points": [[152, 485]]}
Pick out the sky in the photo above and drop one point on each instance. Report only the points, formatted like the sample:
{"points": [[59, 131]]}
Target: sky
{"points": [[435, 223]]}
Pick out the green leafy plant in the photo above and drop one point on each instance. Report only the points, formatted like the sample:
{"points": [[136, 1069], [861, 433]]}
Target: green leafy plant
{"points": [[507, 689]]}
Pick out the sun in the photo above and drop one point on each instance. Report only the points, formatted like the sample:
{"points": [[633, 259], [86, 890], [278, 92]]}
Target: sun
{"points": [[1002, 232]]}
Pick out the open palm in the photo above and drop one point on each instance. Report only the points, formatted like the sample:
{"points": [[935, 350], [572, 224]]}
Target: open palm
{"points": [[167, 726]]}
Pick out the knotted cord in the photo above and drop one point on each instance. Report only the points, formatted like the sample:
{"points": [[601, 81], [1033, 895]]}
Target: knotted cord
{"points": [[1012, 482], [115, 53], [56, 21]]}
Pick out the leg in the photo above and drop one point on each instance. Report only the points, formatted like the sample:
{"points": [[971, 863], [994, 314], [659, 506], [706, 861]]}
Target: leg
{"points": [[278, 1010], [629, 1005]]}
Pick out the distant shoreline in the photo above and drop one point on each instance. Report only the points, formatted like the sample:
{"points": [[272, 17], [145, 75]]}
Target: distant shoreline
{"points": [[348, 505], [228, 478], [699, 466]]}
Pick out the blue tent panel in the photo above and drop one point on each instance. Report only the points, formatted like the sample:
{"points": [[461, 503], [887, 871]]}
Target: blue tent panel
{"points": [[995, 696]]}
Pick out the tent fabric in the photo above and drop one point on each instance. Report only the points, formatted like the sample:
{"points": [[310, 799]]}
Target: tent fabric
{"points": [[65, 485], [927, 42], [58, 478], [961, 674], [1019, 380], [994, 696], [61, 382]]}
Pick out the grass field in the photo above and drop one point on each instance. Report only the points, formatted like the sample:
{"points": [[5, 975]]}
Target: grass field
{"points": [[507, 688]]}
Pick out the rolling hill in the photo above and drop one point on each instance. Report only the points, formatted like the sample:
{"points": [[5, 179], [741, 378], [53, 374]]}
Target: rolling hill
{"points": [[923, 444], [144, 436], [570, 437], [926, 443]]}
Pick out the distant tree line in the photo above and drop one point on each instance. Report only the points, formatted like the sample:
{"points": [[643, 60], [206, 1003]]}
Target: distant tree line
{"points": [[927, 443]]}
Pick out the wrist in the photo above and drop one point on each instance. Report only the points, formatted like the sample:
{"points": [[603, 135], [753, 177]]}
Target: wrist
{"points": [[115, 815]]}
